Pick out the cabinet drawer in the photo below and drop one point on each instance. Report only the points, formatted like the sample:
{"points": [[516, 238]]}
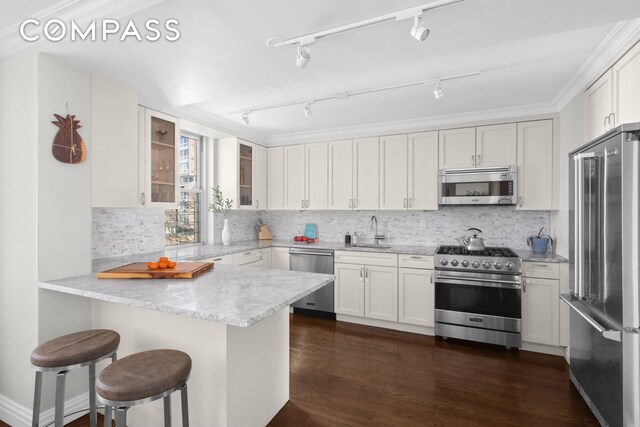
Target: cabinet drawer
{"points": [[415, 261], [244, 258], [543, 270], [366, 258], [222, 260]]}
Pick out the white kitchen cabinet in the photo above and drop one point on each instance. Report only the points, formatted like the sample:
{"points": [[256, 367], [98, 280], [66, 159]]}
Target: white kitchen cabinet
{"points": [[366, 171], [275, 193], [626, 88], [294, 171], [220, 260], [540, 304], [416, 296], [393, 172], [242, 173], [535, 165], [159, 134], [280, 258], [599, 106], [423, 171], [265, 258], [247, 258], [457, 148], [366, 284], [115, 162], [340, 175], [316, 176], [496, 145]]}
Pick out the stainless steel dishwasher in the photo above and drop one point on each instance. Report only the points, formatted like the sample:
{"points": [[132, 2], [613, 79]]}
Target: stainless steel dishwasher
{"points": [[314, 261]]}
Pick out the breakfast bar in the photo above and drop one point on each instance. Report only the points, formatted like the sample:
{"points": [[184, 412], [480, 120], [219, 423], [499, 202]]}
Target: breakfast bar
{"points": [[232, 321]]}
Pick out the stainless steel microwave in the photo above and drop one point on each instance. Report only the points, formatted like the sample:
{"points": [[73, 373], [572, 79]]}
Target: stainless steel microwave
{"points": [[478, 186]]}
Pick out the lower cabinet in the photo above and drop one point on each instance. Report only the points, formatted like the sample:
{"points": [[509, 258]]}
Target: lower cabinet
{"points": [[255, 258], [280, 258], [381, 293], [541, 304], [416, 294], [349, 289], [221, 260]]}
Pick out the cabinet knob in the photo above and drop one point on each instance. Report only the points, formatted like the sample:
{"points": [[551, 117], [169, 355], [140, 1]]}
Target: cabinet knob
{"points": [[142, 199]]}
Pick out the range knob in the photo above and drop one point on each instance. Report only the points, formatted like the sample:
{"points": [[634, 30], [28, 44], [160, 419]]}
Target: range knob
{"points": [[486, 264], [465, 263], [475, 264], [510, 266], [498, 265], [454, 262], [444, 262]]}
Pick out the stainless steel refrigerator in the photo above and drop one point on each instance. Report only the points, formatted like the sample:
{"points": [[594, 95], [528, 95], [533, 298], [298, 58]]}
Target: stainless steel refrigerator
{"points": [[605, 268]]}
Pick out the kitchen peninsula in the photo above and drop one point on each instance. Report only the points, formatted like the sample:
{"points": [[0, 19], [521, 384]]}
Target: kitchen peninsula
{"points": [[232, 321]]}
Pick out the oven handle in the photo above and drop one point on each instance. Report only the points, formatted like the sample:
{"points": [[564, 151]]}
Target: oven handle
{"points": [[477, 282]]}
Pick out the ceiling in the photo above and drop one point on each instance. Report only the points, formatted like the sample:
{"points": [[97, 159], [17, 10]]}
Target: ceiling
{"points": [[528, 53]]}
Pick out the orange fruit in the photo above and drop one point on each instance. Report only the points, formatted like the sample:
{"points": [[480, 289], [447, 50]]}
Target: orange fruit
{"points": [[163, 264], [172, 264], [152, 265], [163, 258]]}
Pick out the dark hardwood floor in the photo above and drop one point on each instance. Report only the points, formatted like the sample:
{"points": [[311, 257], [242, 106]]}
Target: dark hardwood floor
{"points": [[350, 375]]}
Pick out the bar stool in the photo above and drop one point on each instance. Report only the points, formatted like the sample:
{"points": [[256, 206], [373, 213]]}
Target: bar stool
{"points": [[76, 350], [145, 377]]}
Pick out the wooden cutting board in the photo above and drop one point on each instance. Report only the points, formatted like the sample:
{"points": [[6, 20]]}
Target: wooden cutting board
{"points": [[139, 270]]}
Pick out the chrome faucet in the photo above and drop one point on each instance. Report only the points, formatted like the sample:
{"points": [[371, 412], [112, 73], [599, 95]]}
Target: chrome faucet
{"points": [[376, 236]]}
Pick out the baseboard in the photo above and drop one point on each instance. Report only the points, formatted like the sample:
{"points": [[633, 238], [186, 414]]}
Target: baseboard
{"points": [[424, 330], [546, 349], [17, 415]]}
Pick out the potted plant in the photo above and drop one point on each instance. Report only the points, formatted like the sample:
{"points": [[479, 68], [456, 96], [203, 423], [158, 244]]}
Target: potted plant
{"points": [[539, 242], [222, 206]]}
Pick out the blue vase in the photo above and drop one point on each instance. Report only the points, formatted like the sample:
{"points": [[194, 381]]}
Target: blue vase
{"points": [[539, 245]]}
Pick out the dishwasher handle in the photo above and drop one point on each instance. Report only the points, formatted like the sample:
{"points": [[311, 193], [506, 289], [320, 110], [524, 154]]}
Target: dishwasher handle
{"points": [[310, 252]]}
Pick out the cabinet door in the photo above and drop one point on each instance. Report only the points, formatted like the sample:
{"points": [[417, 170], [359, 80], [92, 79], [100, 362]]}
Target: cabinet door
{"points": [[381, 293], [423, 171], [265, 258], [340, 174], [366, 173], [280, 258], [496, 145], [393, 172], [599, 105], [275, 196], [294, 177], [349, 289], [626, 88], [317, 176], [535, 165], [219, 260], [115, 163], [161, 160], [540, 311], [457, 148], [246, 169], [416, 296], [260, 177]]}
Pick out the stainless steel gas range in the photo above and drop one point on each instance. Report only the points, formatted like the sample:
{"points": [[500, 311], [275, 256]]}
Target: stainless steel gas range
{"points": [[478, 295]]}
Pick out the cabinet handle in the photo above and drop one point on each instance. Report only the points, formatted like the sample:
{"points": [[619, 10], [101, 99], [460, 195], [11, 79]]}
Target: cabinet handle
{"points": [[473, 160], [247, 253], [405, 203], [350, 203], [520, 201], [612, 120], [524, 285], [416, 257], [606, 119], [366, 273], [410, 202], [257, 204], [217, 259], [431, 277], [361, 270], [355, 203], [302, 204], [307, 204], [142, 199], [479, 162]]}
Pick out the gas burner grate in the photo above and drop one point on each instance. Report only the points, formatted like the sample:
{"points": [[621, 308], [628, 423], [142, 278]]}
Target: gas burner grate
{"points": [[488, 252]]}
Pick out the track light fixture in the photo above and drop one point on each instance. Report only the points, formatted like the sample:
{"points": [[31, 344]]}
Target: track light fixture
{"points": [[342, 96], [419, 31], [303, 57], [437, 91]]}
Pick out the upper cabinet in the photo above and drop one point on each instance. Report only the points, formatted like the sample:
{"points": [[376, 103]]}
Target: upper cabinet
{"points": [[275, 168], [393, 172], [484, 146], [353, 174], [599, 106], [114, 137], [306, 176], [242, 173], [626, 88], [535, 165], [159, 135], [340, 175]]}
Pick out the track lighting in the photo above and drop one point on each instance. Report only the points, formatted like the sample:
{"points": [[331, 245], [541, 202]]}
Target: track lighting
{"points": [[245, 119], [419, 31], [307, 110], [437, 91], [303, 57]]}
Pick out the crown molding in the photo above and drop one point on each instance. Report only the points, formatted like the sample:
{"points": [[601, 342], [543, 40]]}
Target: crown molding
{"points": [[619, 40]]}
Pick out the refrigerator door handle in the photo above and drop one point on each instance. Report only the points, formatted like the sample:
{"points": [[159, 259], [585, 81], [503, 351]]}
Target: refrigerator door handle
{"points": [[610, 334], [579, 222]]}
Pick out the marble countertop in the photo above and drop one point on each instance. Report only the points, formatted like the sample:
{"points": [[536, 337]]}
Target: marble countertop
{"points": [[527, 255], [237, 296]]}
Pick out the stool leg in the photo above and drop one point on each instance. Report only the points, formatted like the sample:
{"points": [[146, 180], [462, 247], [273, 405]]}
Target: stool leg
{"points": [[185, 406], [167, 411], [93, 418], [35, 418], [59, 416], [121, 416], [107, 416]]}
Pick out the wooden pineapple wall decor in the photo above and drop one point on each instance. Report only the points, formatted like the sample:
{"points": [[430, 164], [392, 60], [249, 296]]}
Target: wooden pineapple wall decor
{"points": [[68, 146]]}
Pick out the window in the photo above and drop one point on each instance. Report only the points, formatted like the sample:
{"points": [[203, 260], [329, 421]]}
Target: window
{"points": [[183, 225]]}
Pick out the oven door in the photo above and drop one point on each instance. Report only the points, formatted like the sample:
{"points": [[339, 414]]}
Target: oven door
{"points": [[479, 300], [488, 186]]}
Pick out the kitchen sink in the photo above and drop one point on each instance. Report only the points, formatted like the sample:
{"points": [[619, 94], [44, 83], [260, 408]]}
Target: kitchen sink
{"points": [[370, 245]]}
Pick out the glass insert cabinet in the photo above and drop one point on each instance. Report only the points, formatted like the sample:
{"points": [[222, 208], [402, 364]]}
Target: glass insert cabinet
{"points": [[160, 133], [241, 168]]}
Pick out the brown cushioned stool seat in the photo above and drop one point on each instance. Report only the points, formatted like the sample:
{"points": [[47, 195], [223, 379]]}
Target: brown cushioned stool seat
{"points": [[76, 350], [144, 377]]}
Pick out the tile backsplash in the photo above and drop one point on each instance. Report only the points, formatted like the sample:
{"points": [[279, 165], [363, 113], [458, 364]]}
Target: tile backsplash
{"points": [[128, 231]]}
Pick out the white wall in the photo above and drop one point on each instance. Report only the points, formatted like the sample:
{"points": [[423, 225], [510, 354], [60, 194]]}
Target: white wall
{"points": [[18, 227], [571, 136]]}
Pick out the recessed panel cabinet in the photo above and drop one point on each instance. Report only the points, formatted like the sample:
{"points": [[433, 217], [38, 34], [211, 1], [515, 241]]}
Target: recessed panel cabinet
{"points": [[275, 181], [422, 171], [349, 289], [340, 175], [354, 174], [599, 106], [393, 172], [535, 165], [626, 88], [541, 303], [242, 173], [496, 145], [457, 148], [306, 176], [416, 296]]}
